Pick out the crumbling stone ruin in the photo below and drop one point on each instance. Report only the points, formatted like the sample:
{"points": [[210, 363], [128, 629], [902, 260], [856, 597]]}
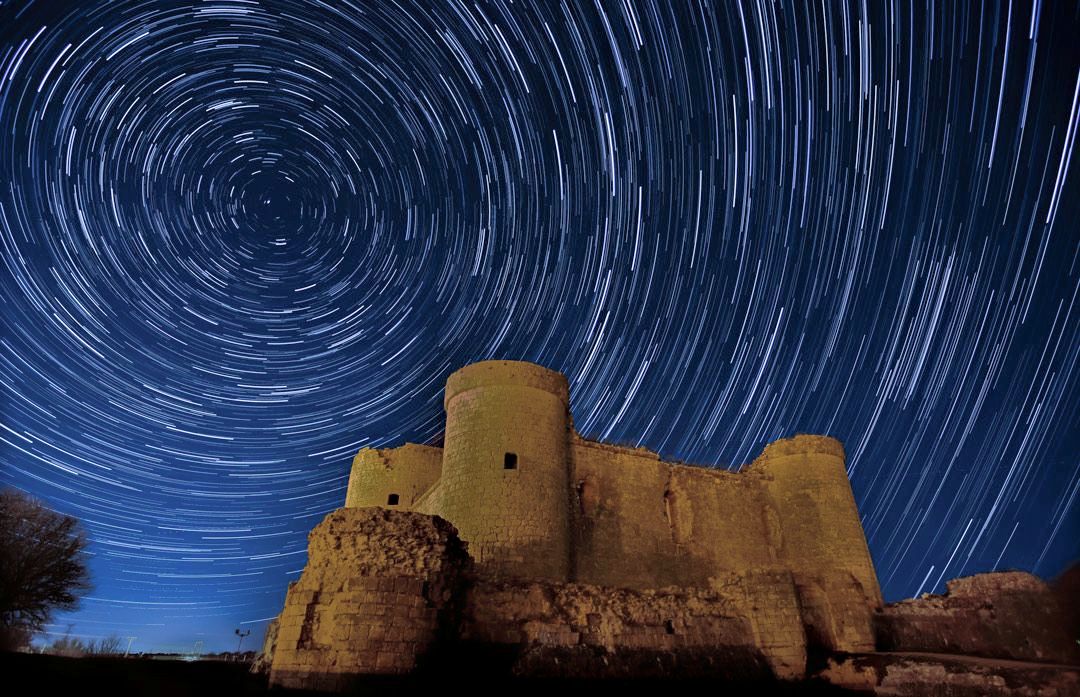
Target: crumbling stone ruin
{"points": [[1005, 633], [1010, 615], [555, 556]]}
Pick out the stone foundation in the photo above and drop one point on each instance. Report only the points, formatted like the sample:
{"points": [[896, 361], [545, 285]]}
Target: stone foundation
{"points": [[928, 675], [393, 593], [747, 624], [376, 594], [1010, 615]]}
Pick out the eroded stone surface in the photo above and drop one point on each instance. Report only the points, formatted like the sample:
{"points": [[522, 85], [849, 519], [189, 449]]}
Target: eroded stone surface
{"points": [[929, 675], [752, 619], [375, 595], [1011, 615]]}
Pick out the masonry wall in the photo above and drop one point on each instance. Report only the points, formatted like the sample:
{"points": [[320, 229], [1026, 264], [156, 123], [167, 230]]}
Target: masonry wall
{"points": [[743, 626], [516, 520], [633, 520], [407, 472], [640, 522], [819, 525], [1012, 615], [393, 592], [375, 596]]}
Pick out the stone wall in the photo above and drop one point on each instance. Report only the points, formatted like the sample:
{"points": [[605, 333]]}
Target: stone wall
{"points": [[504, 480], [631, 519], [640, 522], [405, 473], [820, 531], [376, 594], [391, 592], [535, 500], [835, 611], [742, 626], [1010, 615], [938, 675]]}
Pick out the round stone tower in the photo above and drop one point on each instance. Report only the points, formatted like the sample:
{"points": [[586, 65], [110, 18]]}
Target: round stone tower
{"points": [[821, 530], [505, 480], [392, 478]]}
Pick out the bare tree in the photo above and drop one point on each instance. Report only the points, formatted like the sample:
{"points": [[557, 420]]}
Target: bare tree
{"points": [[67, 645], [42, 566], [106, 646]]}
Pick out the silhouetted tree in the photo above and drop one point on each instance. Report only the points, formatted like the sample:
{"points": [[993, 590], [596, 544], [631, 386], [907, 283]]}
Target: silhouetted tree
{"points": [[42, 566], [106, 646], [67, 645]]}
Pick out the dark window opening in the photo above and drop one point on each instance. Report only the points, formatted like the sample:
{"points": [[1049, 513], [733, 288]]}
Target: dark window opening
{"points": [[392, 500], [669, 626], [510, 461]]}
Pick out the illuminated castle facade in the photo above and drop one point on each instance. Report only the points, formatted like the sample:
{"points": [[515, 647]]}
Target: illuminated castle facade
{"points": [[517, 523]]}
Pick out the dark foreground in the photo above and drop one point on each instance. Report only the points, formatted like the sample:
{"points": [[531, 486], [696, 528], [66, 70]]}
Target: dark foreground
{"points": [[32, 674]]}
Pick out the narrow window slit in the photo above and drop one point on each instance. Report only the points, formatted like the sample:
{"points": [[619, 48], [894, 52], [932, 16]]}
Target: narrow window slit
{"points": [[392, 500], [510, 461]]}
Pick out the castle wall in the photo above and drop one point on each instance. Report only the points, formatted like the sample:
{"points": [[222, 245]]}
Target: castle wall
{"points": [[640, 522], [581, 629], [820, 529], [821, 539], [1010, 615], [407, 471], [516, 520], [394, 592], [374, 597]]}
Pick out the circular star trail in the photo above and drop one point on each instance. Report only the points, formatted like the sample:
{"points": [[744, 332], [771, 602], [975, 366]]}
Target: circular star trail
{"points": [[241, 239]]}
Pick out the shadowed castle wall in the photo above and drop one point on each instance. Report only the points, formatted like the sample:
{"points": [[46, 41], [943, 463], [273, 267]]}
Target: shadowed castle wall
{"points": [[741, 621]]}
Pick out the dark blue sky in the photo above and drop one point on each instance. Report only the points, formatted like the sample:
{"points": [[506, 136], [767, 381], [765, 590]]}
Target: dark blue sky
{"points": [[241, 239]]}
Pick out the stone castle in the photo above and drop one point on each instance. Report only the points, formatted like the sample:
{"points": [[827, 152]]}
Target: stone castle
{"points": [[522, 548], [563, 556]]}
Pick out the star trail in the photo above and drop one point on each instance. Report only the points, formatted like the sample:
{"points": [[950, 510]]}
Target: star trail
{"points": [[242, 239]]}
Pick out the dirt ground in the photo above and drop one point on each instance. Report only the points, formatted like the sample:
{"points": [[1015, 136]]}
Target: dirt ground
{"points": [[40, 675]]}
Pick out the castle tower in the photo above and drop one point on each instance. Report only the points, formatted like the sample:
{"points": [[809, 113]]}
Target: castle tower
{"points": [[822, 540], [505, 481], [822, 532], [392, 478]]}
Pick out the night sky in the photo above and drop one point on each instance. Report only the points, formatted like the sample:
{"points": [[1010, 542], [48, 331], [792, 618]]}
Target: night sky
{"points": [[242, 239]]}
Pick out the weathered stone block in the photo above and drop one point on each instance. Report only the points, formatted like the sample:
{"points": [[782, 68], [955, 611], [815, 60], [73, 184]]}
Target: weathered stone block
{"points": [[1002, 615]]}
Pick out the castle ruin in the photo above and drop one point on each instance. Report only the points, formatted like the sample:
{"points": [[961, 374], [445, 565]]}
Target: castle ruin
{"points": [[576, 557]]}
